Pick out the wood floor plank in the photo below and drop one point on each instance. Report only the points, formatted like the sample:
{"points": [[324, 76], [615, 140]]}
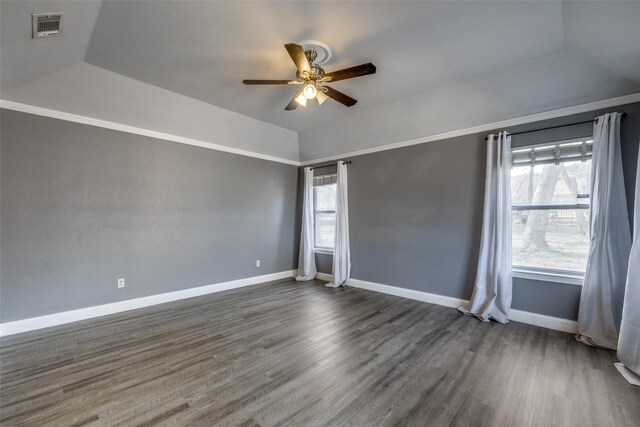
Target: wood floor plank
{"points": [[299, 354]]}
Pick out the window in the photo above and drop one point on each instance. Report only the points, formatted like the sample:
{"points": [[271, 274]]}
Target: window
{"points": [[324, 211], [550, 186]]}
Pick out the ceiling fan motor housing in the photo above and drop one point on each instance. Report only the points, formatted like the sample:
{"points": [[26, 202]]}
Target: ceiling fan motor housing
{"points": [[317, 70]]}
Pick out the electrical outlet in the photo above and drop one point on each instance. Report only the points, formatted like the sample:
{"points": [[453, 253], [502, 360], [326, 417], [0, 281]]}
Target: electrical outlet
{"points": [[121, 283], [257, 263]]}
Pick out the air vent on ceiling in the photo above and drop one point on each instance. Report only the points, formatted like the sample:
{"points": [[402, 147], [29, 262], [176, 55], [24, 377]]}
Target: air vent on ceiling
{"points": [[47, 24]]}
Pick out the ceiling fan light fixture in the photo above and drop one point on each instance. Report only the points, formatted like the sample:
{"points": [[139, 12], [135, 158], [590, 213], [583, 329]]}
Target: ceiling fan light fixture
{"points": [[301, 99], [312, 76], [321, 97], [310, 91]]}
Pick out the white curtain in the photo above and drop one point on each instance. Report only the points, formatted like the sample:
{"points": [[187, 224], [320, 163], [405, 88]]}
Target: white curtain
{"points": [[306, 258], [341, 251], [610, 242], [491, 297], [629, 342]]}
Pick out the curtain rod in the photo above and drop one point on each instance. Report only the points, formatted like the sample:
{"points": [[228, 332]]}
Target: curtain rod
{"points": [[556, 127], [327, 166]]}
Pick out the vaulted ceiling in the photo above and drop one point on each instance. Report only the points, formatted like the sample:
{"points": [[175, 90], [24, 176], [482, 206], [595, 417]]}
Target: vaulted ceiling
{"points": [[584, 51], [204, 50]]}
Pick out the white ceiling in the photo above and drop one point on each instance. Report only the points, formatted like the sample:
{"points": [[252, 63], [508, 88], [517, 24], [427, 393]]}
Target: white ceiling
{"points": [[22, 59], [203, 50]]}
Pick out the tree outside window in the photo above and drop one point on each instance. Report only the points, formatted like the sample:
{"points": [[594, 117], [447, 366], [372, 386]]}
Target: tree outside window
{"points": [[551, 215]]}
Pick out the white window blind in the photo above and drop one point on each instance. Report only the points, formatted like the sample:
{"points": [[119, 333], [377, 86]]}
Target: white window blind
{"points": [[557, 152], [325, 180]]}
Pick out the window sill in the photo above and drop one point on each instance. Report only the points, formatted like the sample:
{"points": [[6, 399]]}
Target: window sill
{"points": [[549, 276], [323, 251]]}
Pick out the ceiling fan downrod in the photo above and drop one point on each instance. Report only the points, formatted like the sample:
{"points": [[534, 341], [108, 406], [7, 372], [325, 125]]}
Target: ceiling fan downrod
{"points": [[316, 71]]}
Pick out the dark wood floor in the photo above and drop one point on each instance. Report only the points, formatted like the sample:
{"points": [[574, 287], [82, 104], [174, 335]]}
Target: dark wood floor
{"points": [[303, 355]]}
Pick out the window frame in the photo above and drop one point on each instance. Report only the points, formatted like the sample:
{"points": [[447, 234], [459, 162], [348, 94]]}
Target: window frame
{"points": [[540, 273], [548, 275], [321, 249]]}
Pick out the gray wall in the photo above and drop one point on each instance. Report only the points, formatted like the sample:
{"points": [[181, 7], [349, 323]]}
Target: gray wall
{"points": [[416, 214], [83, 206]]}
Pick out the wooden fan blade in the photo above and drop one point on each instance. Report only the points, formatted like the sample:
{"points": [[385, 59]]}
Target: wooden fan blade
{"points": [[299, 58], [292, 105], [271, 82], [340, 97], [349, 73]]}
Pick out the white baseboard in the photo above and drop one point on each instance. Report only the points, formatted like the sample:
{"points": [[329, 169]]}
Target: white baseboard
{"points": [[324, 276], [535, 319], [408, 293], [33, 323], [549, 322]]}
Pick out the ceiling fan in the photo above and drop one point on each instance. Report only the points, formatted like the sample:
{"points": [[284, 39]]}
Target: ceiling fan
{"points": [[313, 78]]}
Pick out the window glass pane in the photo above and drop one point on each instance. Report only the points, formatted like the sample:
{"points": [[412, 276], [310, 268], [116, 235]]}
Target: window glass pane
{"points": [[556, 239], [326, 198], [325, 229], [550, 184], [553, 239]]}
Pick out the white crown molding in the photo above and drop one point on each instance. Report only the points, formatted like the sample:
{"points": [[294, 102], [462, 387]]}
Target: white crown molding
{"points": [[535, 319], [552, 114], [46, 112], [33, 323]]}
